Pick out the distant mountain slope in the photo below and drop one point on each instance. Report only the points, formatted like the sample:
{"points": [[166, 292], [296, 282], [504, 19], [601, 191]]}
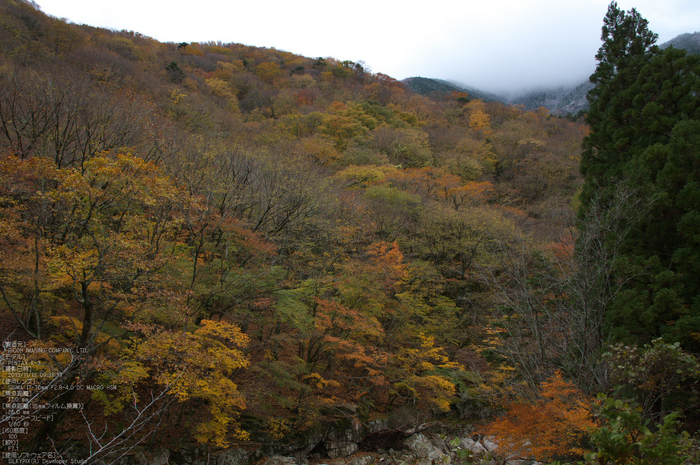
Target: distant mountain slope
{"points": [[561, 101], [428, 86], [689, 42]]}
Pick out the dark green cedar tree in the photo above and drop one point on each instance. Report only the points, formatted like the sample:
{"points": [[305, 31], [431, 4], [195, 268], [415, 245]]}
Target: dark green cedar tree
{"points": [[627, 46], [644, 122]]}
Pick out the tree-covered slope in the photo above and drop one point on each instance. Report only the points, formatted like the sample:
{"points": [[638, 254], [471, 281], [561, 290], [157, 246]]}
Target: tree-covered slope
{"points": [[439, 87], [242, 245]]}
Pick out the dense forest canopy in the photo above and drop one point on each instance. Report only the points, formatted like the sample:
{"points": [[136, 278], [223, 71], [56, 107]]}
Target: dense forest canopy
{"points": [[241, 243]]}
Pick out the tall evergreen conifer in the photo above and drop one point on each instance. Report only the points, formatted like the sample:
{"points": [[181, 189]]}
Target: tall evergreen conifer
{"points": [[644, 122], [627, 46]]}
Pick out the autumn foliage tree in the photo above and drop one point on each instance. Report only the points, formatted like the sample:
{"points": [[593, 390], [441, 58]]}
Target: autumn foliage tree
{"points": [[100, 269], [553, 426]]}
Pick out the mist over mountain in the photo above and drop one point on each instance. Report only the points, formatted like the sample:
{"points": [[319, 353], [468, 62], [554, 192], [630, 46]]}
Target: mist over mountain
{"points": [[560, 101]]}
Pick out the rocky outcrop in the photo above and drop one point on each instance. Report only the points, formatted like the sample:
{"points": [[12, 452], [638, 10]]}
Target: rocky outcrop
{"points": [[340, 442], [351, 444], [341, 447], [425, 451], [280, 460]]}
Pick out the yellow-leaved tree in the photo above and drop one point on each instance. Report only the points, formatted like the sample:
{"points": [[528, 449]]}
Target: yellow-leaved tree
{"points": [[419, 375], [197, 367]]}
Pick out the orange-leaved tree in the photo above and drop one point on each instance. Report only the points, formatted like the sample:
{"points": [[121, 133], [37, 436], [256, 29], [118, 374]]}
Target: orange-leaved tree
{"points": [[553, 426]]}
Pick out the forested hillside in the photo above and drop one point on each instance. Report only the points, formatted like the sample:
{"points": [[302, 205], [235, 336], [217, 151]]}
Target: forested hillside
{"points": [[688, 42], [228, 246], [437, 88]]}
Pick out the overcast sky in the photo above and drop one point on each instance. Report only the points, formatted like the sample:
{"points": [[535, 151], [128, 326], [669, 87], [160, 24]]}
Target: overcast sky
{"points": [[494, 45]]}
